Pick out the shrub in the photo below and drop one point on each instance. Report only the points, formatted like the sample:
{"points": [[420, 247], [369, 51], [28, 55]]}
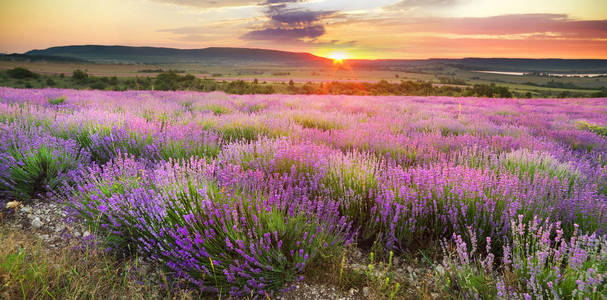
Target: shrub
{"points": [[318, 123], [352, 181], [39, 171], [110, 142], [525, 163], [538, 263], [21, 73], [80, 75], [167, 81], [35, 163], [204, 144], [221, 239], [417, 205], [56, 101], [600, 130], [245, 132]]}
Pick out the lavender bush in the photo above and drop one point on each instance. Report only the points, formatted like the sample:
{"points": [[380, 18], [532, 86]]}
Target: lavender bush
{"points": [[239, 195], [537, 263]]}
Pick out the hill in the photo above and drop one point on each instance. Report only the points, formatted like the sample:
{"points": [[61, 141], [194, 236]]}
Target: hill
{"points": [[156, 55], [238, 57], [35, 58], [499, 64]]}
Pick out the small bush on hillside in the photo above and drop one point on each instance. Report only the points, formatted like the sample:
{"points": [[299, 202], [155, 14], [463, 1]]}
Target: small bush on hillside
{"points": [[80, 75], [21, 73]]}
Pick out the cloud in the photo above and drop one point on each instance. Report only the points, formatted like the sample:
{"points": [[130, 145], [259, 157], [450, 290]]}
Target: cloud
{"points": [[532, 25], [286, 34], [408, 4], [288, 24], [269, 2], [300, 17], [210, 3], [225, 3], [549, 24]]}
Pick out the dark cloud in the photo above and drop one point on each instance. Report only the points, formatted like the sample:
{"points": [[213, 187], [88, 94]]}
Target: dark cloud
{"points": [[300, 17], [284, 22], [289, 24], [286, 34]]}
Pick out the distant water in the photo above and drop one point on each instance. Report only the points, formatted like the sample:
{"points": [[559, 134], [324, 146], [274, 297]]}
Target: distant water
{"points": [[546, 74], [502, 73]]}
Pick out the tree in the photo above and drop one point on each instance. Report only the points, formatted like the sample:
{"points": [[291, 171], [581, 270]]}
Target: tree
{"points": [[79, 75], [21, 73]]}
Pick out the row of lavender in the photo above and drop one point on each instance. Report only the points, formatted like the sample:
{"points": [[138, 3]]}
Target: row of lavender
{"points": [[240, 194]]}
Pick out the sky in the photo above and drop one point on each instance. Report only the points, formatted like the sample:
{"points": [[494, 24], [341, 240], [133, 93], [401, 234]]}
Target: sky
{"points": [[379, 29]]}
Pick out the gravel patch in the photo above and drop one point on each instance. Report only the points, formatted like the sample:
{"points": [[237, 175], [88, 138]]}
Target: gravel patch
{"points": [[47, 220]]}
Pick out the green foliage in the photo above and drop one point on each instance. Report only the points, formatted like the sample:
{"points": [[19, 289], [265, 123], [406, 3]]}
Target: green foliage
{"points": [[381, 276], [79, 75], [538, 263], [491, 90], [600, 130], [39, 171], [307, 121], [185, 150], [217, 109], [56, 101], [244, 132], [28, 270], [167, 81], [279, 264], [530, 164], [21, 73], [352, 182], [600, 94], [242, 87]]}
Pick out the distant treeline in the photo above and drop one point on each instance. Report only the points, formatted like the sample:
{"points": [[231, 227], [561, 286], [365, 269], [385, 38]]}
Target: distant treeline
{"points": [[404, 88], [173, 81]]}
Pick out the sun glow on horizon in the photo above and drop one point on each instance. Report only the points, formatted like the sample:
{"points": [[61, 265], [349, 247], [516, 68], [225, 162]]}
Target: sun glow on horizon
{"points": [[338, 57]]}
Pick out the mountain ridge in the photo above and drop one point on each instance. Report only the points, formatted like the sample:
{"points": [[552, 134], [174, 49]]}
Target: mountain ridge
{"points": [[234, 56], [132, 54]]}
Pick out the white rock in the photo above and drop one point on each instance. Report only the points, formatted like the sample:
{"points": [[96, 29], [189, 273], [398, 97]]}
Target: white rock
{"points": [[59, 228], [37, 223], [366, 291]]}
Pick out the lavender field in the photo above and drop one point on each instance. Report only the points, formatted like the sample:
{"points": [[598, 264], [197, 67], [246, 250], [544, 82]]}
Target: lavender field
{"points": [[243, 196]]}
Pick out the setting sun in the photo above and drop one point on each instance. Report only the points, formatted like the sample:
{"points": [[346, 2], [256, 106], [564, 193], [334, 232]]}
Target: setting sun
{"points": [[338, 57]]}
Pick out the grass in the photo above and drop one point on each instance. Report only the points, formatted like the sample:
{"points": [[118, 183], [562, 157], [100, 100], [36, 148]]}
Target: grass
{"points": [[56, 101], [594, 128], [37, 171], [316, 123], [217, 109], [28, 270], [530, 164], [352, 180]]}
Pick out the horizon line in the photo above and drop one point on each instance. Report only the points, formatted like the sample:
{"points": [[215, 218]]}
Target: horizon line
{"points": [[302, 52]]}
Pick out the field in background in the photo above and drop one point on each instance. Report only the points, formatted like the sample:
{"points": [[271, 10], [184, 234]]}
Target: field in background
{"points": [[533, 85]]}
